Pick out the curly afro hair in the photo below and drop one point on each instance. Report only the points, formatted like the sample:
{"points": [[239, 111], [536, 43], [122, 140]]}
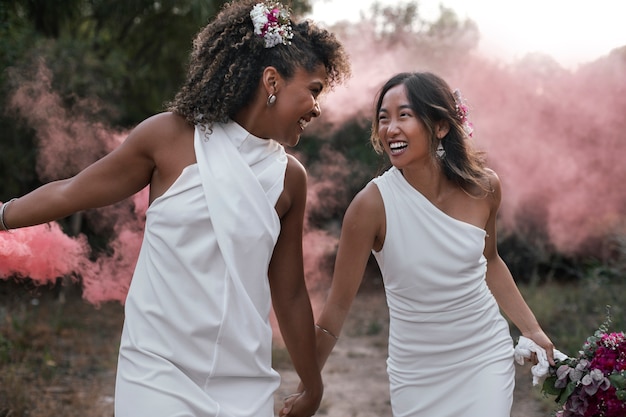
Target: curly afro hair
{"points": [[228, 59]]}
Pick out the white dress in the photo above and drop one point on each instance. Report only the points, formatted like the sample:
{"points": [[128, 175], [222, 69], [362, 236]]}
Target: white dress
{"points": [[450, 349], [197, 338]]}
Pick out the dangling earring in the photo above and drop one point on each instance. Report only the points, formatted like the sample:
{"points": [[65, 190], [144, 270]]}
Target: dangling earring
{"points": [[441, 153], [271, 99]]}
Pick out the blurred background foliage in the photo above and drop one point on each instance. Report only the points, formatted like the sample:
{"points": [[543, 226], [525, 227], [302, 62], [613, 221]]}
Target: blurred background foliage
{"points": [[129, 57], [117, 62]]}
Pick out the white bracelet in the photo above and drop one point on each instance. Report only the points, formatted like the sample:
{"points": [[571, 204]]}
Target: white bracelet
{"points": [[3, 225]]}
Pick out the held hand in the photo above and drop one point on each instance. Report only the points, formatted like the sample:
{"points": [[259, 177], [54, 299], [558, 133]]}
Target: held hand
{"points": [[540, 338], [288, 404], [540, 351], [300, 405], [289, 400]]}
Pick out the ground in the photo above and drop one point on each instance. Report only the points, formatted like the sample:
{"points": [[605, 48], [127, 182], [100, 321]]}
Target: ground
{"points": [[60, 358]]}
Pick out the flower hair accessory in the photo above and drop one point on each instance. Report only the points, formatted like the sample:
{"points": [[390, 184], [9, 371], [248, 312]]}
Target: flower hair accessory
{"points": [[271, 22], [462, 112]]}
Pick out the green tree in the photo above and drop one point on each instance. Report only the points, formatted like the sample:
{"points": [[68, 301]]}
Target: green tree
{"points": [[128, 54]]}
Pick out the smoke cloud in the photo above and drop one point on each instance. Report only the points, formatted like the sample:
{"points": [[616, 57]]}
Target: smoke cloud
{"points": [[68, 142], [555, 137]]}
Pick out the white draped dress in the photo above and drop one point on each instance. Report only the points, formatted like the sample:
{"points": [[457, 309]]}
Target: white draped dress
{"points": [[450, 349], [197, 339]]}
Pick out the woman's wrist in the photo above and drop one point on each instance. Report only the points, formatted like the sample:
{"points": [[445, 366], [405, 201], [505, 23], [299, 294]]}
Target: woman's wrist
{"points": [[326, 332], [3, 224], [315, 391], [313, 387]]}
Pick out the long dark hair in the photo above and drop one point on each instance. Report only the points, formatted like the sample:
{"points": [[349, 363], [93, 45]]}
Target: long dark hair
{"points": [[228, 60], [432, 99]]}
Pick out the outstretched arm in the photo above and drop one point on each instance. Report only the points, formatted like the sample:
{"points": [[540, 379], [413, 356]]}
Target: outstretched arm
{"points": [[116, 176], [503, 286]]}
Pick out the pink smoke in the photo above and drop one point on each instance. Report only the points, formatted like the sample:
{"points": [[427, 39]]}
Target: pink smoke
{"points": [[557, 141], [42, 253], [108, 277], [554, 136], [326, 196], [68, 142]]}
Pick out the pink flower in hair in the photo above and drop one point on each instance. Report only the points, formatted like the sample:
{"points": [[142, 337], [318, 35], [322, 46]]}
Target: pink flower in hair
{"points": [[271, 22], [462, 112]]}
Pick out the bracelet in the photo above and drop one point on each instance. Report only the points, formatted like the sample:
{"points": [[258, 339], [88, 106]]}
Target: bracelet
{"points": [[326, 331], [3, 225]]}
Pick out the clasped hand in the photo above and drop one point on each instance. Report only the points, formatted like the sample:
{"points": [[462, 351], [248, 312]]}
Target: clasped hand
{"points": [[299, 405]]}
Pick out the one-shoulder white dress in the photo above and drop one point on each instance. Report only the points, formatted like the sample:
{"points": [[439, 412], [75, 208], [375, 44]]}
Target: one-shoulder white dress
{"points": [[450, 349], [197, 338]]}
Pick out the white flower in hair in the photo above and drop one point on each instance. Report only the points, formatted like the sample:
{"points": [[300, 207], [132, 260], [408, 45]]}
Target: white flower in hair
{"points": [[271, 22]]}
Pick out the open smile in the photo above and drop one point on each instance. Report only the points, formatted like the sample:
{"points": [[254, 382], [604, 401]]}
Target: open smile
{"points": [[396, 148]]}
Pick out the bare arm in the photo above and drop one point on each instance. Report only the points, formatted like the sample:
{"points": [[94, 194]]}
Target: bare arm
{"points": [[118, 175], [503, 286], [290, 298], [362, 230]]}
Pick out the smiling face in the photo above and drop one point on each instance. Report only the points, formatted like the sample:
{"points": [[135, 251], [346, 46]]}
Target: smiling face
{"points": [[296, 105], [403, 135]]}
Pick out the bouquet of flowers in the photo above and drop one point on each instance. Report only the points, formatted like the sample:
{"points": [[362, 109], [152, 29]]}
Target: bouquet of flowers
{"points": [[594, 383]]}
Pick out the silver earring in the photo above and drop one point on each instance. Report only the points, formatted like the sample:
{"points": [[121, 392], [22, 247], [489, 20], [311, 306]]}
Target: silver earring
{"points": [[271, 99], [441, 153]]}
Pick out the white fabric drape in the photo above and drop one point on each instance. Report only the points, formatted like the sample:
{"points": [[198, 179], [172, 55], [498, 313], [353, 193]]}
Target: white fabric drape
{"points": [[197, 338]]}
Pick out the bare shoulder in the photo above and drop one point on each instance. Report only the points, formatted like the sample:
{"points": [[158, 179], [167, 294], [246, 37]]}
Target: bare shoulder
{"points": [[368, 201], [295, 170], [165, 120], [161, 127], [496, 186], [295, 179], [364, 221], [493, 177], [167, 140]]}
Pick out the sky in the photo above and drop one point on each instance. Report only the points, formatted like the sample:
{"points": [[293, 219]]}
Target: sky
{"points": [[571, 31]]}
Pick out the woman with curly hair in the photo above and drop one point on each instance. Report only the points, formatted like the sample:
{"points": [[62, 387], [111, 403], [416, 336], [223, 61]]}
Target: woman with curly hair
{"points": [[430, 221], [223, 234]]}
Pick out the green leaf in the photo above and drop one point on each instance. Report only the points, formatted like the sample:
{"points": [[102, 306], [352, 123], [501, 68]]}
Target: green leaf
{"points": [[549, 388], [618, 381], [569, 390]]}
